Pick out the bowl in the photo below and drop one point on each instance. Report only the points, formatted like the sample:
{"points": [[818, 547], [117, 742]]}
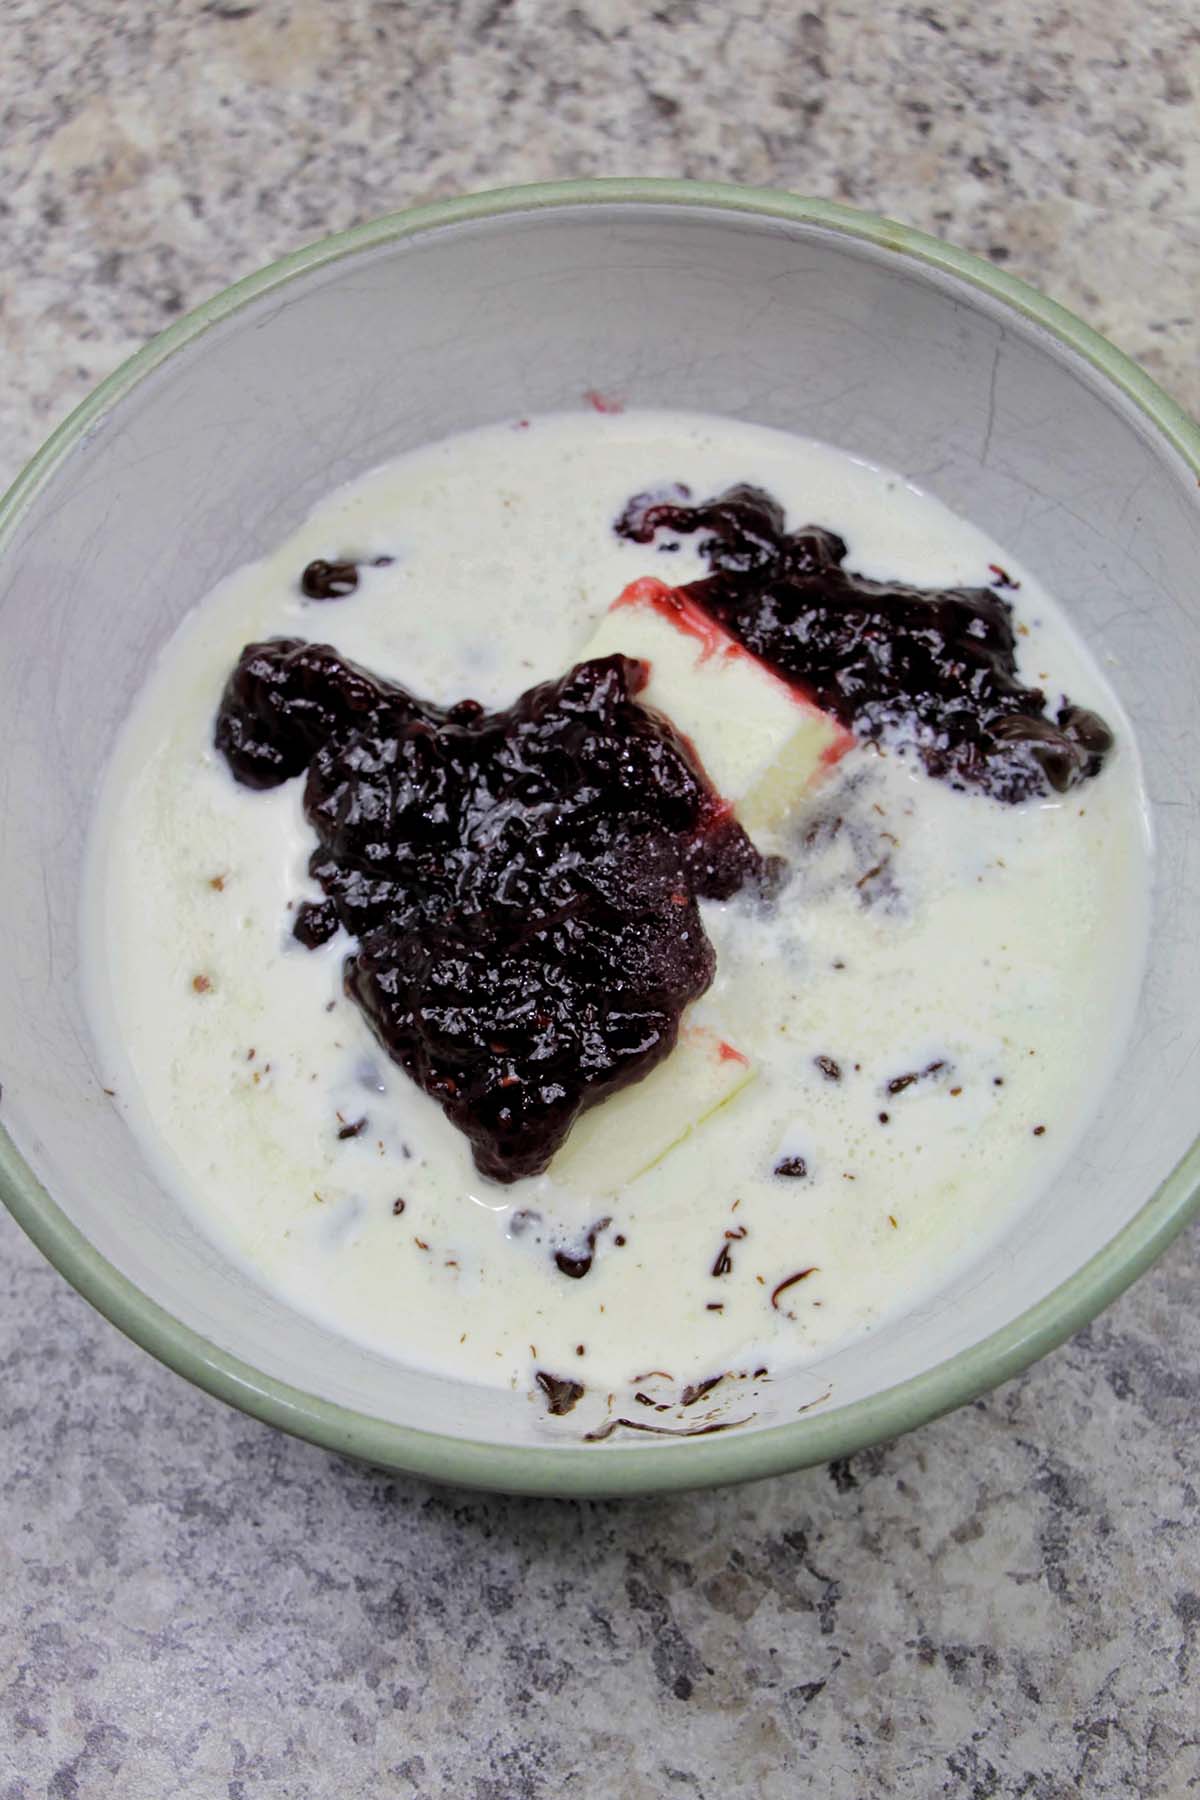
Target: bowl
{"points": [[210, 446]]}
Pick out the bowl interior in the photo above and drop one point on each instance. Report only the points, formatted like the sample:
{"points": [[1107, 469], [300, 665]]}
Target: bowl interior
{"points": [[222, 448]]}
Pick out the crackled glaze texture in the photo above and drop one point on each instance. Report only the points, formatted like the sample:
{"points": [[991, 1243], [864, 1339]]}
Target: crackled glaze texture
{"points": [[1005, 1604]]}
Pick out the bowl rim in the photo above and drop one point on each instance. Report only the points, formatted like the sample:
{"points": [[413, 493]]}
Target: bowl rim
{"points": [[613, 1469]]}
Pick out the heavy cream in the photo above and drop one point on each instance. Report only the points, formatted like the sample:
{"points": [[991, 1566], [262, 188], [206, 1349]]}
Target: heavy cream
{"points": [[929, 1010]]}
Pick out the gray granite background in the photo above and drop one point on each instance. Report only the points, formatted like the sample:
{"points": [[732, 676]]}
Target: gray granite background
{"points": [[1004, 1604]]}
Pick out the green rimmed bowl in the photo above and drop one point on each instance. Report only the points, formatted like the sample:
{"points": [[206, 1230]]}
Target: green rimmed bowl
{"points": [[211, 445]]}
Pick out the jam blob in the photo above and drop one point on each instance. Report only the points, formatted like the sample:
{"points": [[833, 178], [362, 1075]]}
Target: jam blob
{"points": [[522, 884], [321, 580], [934, 671]]}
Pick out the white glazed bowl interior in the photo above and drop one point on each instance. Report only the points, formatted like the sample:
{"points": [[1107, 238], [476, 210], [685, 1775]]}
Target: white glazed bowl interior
{"points": [[219, 451]]}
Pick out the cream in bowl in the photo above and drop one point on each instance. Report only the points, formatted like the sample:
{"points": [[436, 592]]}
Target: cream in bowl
{"points": [[440, 1085]]}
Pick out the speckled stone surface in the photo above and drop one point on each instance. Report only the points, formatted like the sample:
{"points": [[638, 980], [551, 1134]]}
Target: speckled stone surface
{"points": [[1005, 1604]]}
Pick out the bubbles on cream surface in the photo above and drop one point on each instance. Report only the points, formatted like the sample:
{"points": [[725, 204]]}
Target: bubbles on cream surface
{"points": [[932, 1006]]}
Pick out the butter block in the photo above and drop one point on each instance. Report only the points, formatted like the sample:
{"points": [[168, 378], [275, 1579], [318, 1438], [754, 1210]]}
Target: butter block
{"points": [[761, 743], [624, 1136]]}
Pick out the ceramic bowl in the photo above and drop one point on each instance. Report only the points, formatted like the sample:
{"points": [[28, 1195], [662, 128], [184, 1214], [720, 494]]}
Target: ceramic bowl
{"points": [[212, 444]]}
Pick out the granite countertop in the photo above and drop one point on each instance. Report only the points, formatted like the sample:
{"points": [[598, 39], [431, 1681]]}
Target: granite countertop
{"points": [[1006, 1603]]}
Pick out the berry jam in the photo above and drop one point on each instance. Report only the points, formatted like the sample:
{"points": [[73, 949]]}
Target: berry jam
{"points": [[329, 580], [931, 670], [323, 580], [522, 884]]}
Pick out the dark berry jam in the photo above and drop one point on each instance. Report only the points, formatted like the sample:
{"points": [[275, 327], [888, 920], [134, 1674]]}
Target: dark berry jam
{"points": [[934, 671], [329, 581], [321, 580], [522, 884]]}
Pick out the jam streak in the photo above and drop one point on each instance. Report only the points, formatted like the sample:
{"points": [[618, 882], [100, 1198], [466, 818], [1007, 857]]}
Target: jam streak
{"points": [[679, 610], [522, 884], [933, 671]]}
